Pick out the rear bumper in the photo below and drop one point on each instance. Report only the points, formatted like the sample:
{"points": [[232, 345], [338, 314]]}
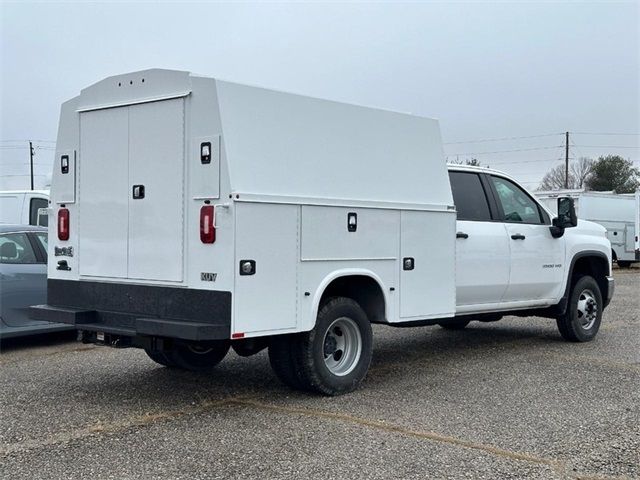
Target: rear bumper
{"points": [[611, 287], [138, 310]]}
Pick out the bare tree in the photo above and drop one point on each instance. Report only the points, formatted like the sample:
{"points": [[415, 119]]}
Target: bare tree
{"points": [[474, 162], [579, 172]]}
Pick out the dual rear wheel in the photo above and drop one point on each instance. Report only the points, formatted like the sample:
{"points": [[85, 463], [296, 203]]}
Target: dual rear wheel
{"points": [[196, 356], [331, 359]]}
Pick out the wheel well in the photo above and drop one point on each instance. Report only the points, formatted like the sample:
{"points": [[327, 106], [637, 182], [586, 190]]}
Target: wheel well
{"points": [[364, 290], [613, 255], [595, 266]]}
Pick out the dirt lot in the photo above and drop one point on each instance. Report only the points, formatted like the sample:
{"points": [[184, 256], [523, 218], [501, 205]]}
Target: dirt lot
{"points": [[501, 400]]}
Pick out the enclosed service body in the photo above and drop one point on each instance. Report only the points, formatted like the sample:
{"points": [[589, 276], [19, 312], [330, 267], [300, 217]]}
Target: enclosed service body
{"points": [[619, 214], [201, 209], [191, 215]]}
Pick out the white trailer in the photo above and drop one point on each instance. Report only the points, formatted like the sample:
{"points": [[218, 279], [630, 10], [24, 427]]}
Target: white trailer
{"points": [[619, 214], [195, 215]]}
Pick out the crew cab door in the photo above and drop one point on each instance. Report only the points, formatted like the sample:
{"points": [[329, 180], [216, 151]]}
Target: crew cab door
{"points": [[537, 259], [482, 247]]}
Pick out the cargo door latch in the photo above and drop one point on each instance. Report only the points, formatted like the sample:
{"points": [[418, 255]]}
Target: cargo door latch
{"points": [[138, 192]]}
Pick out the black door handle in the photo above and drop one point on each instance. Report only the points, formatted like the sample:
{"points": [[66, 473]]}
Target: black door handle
{"points": [[517, 236], [138, 192], [462, 235]]}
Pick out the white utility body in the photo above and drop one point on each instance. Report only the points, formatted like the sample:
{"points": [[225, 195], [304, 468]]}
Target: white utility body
{"points": [[195, 214], [618, 213]]}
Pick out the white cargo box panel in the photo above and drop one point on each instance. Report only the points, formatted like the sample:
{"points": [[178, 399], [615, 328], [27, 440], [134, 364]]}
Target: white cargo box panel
{"points": [[425, 288], [285, 146]]}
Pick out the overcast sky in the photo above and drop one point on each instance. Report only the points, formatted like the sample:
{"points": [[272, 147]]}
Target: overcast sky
{"points": [[485, 70]]}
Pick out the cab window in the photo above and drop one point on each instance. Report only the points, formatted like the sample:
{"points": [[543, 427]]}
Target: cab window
{"points": [[517, 205], [469, 197]]}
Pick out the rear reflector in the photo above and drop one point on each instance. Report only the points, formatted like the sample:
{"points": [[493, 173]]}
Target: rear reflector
{"points": [[207, 227], [63, 224], [237, 335]]}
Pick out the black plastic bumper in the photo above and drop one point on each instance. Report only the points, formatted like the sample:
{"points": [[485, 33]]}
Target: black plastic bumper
{"points": [[138, 310]]}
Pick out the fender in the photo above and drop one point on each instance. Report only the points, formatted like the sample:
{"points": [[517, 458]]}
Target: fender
{"points": [[347, 272], [561, 306]]}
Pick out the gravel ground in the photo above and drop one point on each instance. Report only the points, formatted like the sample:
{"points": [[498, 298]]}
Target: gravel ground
{"points": [[497, 400]]}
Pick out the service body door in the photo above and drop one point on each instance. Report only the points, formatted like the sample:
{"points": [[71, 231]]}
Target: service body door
{"points": [[482, 249], [537, 259], [103, 193], [131, 191], [156, 162]]}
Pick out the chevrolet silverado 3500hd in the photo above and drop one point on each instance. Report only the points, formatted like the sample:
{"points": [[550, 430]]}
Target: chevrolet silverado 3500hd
{"points": [[192, 215]]}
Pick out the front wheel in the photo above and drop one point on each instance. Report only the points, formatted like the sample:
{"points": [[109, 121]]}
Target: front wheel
{"points": [[581, 321], [624, 263]]}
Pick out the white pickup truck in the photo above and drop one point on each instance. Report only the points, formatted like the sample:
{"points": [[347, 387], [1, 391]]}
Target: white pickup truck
{"points": [[194, 215]]}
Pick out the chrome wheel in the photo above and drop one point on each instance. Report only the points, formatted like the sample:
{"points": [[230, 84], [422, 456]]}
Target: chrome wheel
{"points": [[587, 309], [342, 346]]}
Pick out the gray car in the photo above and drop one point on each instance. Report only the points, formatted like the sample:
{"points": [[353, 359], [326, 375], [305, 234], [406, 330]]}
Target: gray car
{"points": [[23, 280]]}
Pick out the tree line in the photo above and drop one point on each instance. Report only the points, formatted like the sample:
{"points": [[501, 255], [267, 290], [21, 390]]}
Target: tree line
{"points": [[607, 173]]}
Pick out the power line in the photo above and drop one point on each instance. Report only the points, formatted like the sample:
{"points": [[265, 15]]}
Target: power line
{"points": [[503, 138], [27, 140], [26, 175], [614, 134], [507, 151], [606, 146]]}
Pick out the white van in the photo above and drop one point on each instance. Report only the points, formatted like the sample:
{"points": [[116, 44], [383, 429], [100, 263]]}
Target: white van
{"points": [[619, 214], [24, 207], [196, 215]]}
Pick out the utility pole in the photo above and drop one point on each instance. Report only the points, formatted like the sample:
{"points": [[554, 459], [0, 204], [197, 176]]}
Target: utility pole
{"points": [[566, 160], [31, 161]]}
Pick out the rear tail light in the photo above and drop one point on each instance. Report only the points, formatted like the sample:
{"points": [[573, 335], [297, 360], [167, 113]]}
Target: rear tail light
{"points": [[207, 226], [63, 224]]}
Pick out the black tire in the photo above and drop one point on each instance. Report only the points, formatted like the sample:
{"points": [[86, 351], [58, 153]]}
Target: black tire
{"points": [[311, 347], [282, 360], [198, 356], [575, 325], [455, 324], [160, 357], [624, 263]]}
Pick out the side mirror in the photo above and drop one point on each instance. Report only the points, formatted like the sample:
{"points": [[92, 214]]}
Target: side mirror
{"points": [[567, 217]]}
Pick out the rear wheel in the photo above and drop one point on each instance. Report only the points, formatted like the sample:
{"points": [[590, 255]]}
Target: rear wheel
{"points": [[455, 324], [197, 356], [281, 358], [159, 356], [581, 321], [624, 263], [331, 359]]}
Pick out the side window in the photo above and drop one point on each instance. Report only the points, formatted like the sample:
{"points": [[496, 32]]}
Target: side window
{"points": [[37, 203], [469, 197], [517, 205], [42, 239], [16, 249]]}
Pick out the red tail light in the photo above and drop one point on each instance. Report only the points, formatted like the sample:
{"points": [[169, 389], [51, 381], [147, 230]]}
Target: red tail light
{"points": [[63, 224], [207, 226]]}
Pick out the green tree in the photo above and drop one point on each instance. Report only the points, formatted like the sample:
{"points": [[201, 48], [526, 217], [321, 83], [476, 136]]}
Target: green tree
{"points": [[614, 173]]}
